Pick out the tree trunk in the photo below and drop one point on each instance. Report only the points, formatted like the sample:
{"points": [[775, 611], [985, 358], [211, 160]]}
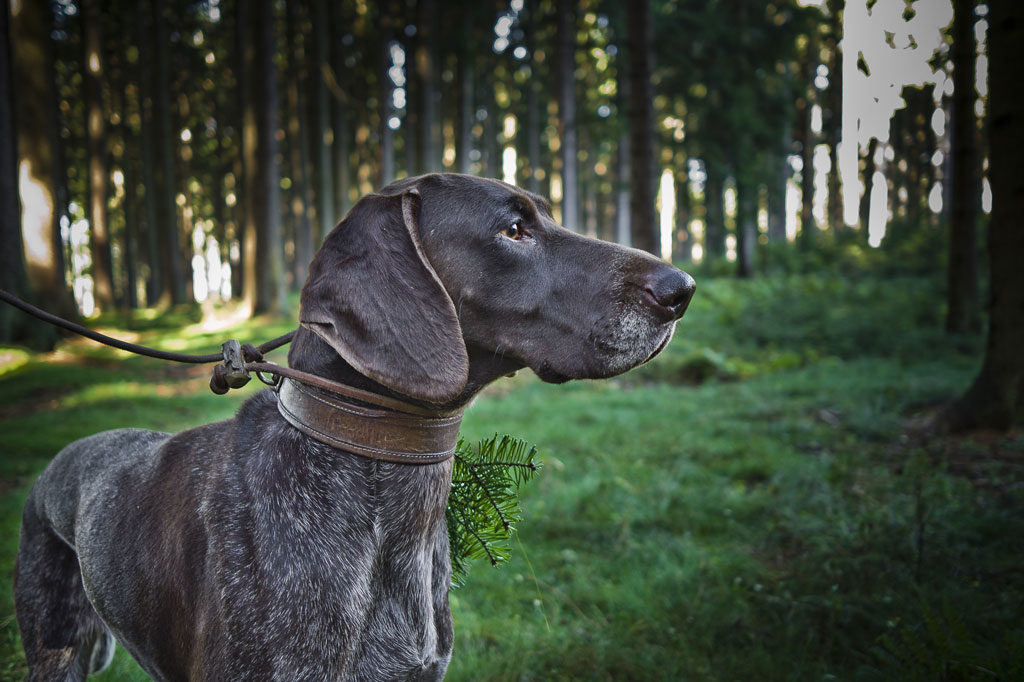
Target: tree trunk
{"points": [[714, 227], [565, 63], [962, 314], [155, 285], [342, 134], [833, 127], [746, 225], [430, 100], [641, 126], [38, 158], [263, 282], [171, 249], [805, 107], [298, 144], [534, 163], [623, 233], [326, 138], [996, 398], [869, 173], [96, 174], [15, 327], [466, 85], [386, 88]]}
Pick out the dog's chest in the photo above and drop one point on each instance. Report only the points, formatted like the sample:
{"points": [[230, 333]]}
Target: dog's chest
{"points": [[344, 571]]}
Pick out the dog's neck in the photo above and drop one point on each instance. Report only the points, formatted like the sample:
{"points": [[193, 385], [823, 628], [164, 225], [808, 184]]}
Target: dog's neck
{"points": [[312, 354]]}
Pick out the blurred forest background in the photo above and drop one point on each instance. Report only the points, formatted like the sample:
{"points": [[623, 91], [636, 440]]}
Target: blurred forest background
{"points": [[776, 497]]}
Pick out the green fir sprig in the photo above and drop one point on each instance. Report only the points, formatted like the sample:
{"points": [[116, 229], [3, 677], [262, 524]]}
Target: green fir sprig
{"points": [[483, 505]]}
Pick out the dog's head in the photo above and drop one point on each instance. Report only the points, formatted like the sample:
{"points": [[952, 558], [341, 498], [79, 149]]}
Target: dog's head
{"points": [[434, 272]]}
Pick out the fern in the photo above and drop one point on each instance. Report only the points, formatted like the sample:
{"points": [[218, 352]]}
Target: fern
{"points": [[483, 505]]}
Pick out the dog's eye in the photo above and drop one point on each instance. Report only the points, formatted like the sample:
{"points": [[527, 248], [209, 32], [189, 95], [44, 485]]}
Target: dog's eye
{"points": [[513, 231]]}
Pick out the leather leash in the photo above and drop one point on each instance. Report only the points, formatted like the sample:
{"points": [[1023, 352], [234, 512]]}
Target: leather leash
{"points": [[321, 408]]}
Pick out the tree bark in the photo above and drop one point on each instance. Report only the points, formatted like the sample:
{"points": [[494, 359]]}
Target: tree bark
{"points": [[534, 163], [42, 190], [640, 36], [714, 215], [746, 225], [171, 249], [996, 398], [833, 122], [14, 325], [962, 312], [340, 119], [96, 143], [326, 138], [298, 143], [565, 63]]}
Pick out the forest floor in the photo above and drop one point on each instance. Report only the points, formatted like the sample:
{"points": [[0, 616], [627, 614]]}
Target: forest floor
{"points": [[755, 504]]}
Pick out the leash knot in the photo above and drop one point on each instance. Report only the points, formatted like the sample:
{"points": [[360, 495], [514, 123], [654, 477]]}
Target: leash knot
{"points": [[232, 371]]}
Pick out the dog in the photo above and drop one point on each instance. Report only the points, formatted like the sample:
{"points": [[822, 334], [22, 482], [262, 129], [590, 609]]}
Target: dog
{"points": [[250, 550]]}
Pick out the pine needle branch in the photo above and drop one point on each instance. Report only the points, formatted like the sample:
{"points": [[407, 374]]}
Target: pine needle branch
{"points": [[483, 505]]}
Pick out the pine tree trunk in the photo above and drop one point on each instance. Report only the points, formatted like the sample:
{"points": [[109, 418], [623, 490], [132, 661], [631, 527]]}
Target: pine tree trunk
{"points": [[466, 86], [746, 225], [15, 327], [996, 398], [714, 227], [39, 157], [326, 139], [298, 144], [430, 100], [805, 106], [869, 183], [340, 120], [385, 90], [171, 249], [640, 107], [269, 262], [565, 63], [155, 285], [833, 127], [962, 303], [96, 143]]}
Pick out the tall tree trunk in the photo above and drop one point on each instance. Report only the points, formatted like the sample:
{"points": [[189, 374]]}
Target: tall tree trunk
{"points": [[326, 138], [272, 291], [430, 100], [640, 33], [996, 398], [298, 144], [746, 225], [340, 120], [171, 249], [96, 203], [385, 94], [834, 119], [869, 173], [805, 106], [466, 91], [155, 285], [39, 157], [714, 225], [15, 327], [962, 313], [534, 164], [565, 63], [263, 281]]}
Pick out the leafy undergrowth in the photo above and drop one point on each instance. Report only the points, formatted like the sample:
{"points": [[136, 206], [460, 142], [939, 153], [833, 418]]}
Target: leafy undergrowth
{"points": [[748, 506]]}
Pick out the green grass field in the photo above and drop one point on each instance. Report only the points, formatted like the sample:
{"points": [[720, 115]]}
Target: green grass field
{"points": [[749, 506]]}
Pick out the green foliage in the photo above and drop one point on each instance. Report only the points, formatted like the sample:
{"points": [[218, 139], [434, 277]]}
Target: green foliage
{"points": [[483, 505]]}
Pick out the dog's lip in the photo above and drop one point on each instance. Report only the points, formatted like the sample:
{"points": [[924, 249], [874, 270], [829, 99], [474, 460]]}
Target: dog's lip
{"points": [[661, 346]]}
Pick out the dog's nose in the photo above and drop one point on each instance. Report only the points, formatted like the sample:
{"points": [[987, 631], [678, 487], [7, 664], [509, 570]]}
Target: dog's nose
{"points": [[669, 290]]}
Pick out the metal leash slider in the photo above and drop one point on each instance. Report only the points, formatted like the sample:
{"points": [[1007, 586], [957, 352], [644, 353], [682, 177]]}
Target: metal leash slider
{"points": [[231, 372]]}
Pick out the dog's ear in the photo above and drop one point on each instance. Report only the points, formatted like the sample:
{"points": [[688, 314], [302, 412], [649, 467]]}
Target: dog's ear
{"points": [[374, 297]]}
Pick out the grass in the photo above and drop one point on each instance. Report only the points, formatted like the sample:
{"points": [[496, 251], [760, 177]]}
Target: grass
{"points": [[749, 506]]}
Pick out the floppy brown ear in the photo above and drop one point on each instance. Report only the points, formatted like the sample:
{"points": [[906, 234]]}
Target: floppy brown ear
{"points": [[374, 297]]}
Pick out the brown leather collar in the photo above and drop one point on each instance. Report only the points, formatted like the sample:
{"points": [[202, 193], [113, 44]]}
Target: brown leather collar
{"points": [[385, 434]]}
